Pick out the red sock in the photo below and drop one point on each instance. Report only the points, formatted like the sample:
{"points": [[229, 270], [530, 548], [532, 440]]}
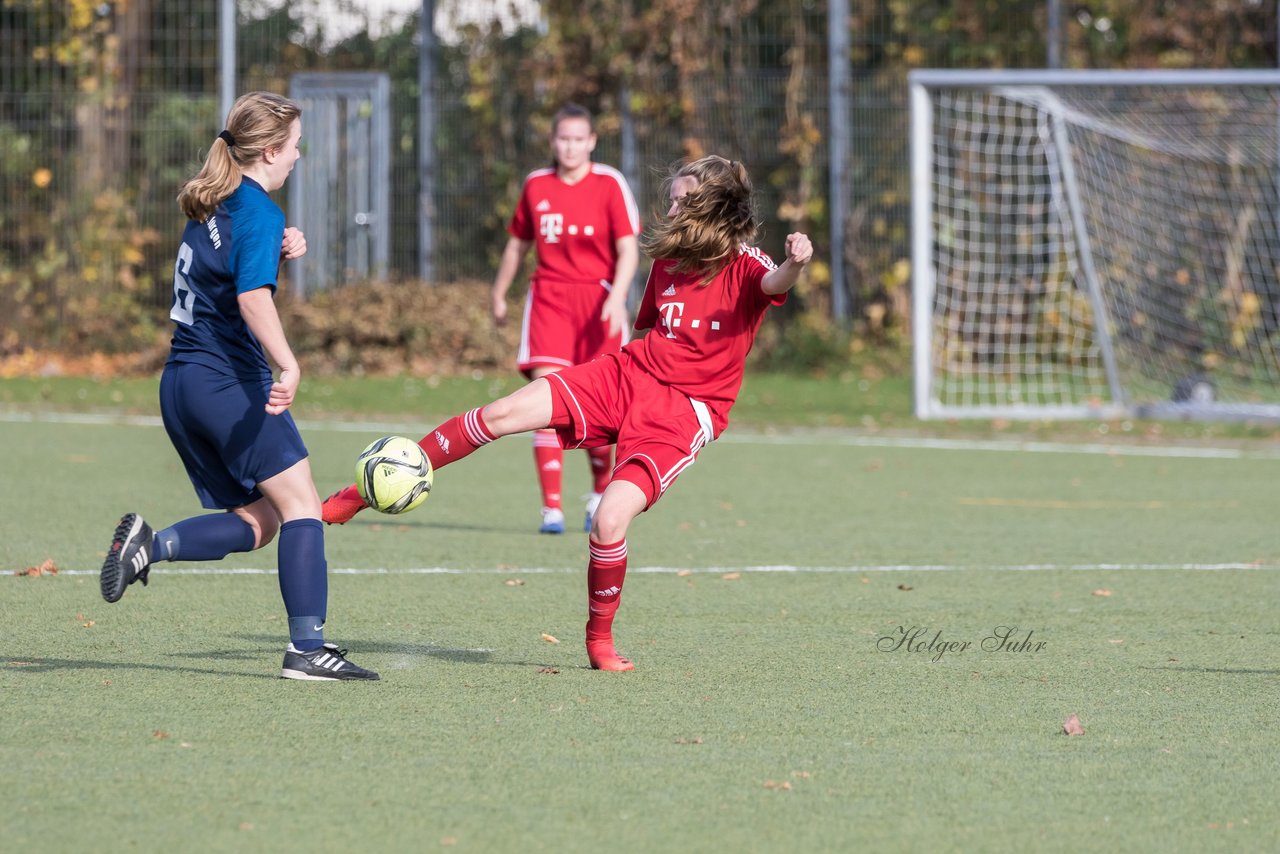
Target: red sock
{"points": [[601, 467], [456, 438], [550, 460], [606, 571]]}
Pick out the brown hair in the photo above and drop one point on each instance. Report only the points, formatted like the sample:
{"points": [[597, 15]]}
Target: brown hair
{"points": [[572, 111], [712, 221], [258, 121]]}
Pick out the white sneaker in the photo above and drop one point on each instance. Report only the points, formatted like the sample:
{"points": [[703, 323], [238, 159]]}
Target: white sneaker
{"points": [[552, 521], [593, 502]]}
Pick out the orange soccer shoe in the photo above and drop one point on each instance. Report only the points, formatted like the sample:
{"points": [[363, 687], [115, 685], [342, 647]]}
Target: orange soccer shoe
{"points": [[342, 506]]}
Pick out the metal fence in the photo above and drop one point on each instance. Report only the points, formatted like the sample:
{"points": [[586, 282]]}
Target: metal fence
{"points": [[106, 107]]}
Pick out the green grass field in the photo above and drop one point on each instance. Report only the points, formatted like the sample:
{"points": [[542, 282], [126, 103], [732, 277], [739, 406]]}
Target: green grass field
{"points": [[775, 706]]}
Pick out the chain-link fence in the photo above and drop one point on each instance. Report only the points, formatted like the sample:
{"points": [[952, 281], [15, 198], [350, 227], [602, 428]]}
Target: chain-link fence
{"points": [[106, 106]]}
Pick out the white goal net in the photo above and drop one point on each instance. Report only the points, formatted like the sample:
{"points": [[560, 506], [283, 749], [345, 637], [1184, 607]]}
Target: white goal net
{"points": [[1096, 244]]}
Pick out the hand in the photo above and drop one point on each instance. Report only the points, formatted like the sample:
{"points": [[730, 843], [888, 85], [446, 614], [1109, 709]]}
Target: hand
{"points": [[614, 315], [283, 390], [498, 308], [294, 244], [798, 248]]}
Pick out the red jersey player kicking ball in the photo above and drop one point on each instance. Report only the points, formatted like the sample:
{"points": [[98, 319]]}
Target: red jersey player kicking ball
{"points": [[664, 396]]}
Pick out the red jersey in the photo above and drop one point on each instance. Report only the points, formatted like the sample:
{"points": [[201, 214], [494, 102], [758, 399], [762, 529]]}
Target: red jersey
{"points": [[701, 335], [575, 225]]}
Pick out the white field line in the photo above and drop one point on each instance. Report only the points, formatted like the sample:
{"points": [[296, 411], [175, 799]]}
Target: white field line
{"points": [[720, 570], [816, 438]]}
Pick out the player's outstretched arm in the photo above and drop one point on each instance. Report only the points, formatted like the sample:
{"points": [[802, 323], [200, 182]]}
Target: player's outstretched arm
{"points": [[799, 253]]}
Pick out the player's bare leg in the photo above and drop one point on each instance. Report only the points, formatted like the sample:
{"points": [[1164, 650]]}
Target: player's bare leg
{"points": [[622, 501], [601, 470], [527, 408]]}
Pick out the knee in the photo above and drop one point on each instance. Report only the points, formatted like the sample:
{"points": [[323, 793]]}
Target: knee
{"points": [[262, 520], [266, 532], [497, 414], [608, 525]]}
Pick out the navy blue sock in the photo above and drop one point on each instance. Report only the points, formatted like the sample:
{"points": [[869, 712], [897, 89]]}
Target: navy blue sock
{"points": [[209, 537], [304, 581]]}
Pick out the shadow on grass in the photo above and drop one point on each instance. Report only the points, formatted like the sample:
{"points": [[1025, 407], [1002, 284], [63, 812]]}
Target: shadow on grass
{"points": [[391, 522], [45, 665], [357, 649], [413, 650]]}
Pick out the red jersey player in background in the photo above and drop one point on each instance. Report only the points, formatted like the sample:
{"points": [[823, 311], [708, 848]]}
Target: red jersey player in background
{"points": [[583, 220], [663, 397]]}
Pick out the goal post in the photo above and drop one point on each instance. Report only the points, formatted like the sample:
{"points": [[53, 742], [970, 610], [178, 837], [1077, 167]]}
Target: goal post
{"points": [[1095, 244]]}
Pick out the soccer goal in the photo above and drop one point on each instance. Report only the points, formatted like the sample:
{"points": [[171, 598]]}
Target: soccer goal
{"points": [[1096, 244]]}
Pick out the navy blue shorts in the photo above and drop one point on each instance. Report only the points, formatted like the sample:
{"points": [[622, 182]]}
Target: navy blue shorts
{"points": [[221, 430]]}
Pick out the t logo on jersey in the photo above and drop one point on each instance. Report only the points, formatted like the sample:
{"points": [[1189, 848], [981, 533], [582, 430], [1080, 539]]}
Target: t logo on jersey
{"points": [[552, 227], [671, 312], [672, 316]]}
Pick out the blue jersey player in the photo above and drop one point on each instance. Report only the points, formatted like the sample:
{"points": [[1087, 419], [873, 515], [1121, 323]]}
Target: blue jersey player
{"points": [[224, 412]]}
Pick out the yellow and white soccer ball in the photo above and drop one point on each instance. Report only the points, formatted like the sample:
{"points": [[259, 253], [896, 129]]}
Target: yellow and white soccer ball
{"points": [[393, 475]]}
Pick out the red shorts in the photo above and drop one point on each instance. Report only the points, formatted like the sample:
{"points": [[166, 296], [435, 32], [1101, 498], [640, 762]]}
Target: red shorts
{"points": [[658, 430], [562, 326]]}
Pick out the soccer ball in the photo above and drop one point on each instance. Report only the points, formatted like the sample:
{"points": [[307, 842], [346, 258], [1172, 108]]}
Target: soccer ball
{"points": [[393, 475]]}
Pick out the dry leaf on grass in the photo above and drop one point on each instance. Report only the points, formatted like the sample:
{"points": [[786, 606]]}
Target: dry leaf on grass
{"points": [[159, 734], [46, 568], [695, 740], [1101, 592], [774, 784], [731, 576], [551, 670], [88, 624], [684, 573], [904, 586], [514, 582], [1071, 726], [550, 638]]}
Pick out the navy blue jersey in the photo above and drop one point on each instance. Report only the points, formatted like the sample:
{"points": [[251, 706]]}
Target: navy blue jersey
{"points": [[237, 249]]}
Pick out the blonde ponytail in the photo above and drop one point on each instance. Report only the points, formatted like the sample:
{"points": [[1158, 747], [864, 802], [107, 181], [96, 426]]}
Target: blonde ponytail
{"points": [[258, 121]]}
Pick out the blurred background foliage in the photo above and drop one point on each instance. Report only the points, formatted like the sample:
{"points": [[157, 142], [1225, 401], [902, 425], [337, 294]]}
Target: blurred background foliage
{"points": [[107, 105]]}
